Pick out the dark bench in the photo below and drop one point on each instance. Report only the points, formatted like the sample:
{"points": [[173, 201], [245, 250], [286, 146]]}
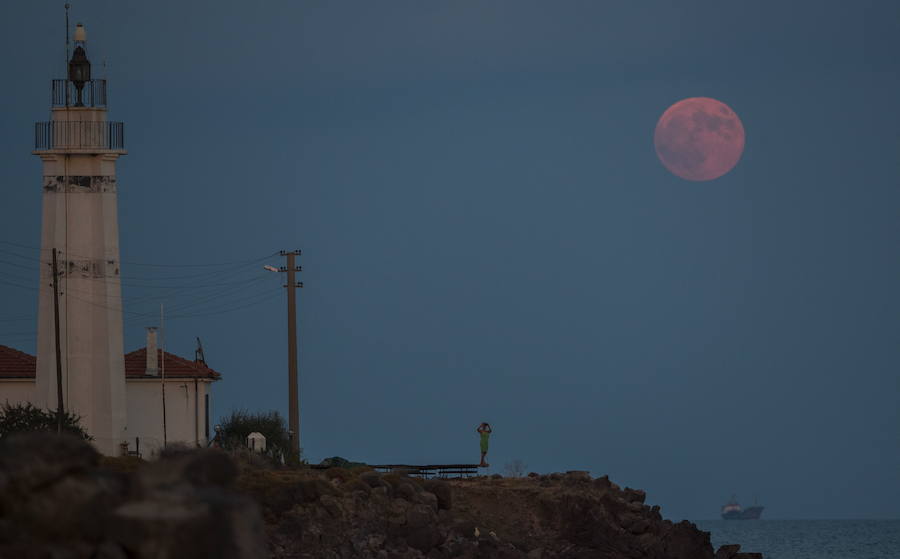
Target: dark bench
{"points": [[431, 470]]}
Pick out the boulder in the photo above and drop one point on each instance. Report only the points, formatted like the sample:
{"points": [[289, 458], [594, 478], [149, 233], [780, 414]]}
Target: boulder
{"points": [[207, 524], [441, 490], [634, 495], [56, 502], [602, 482], [578, 475], [405, 491], [429, 499], [727, 551], [373, 479], [32, 460]]}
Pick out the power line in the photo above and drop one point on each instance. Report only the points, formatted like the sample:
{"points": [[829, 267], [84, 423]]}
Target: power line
{"points": [[232, 309], [17, 318], [11, 284], [206, 265], [15, 265], [135, 263]]}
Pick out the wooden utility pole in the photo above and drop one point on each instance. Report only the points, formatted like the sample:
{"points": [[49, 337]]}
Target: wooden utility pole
{"points": [[293, 389], [60, 407], [162, 330]]}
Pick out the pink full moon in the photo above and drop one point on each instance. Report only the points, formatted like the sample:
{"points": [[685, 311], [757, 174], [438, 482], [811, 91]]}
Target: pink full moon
{"points": [[699, 139]]}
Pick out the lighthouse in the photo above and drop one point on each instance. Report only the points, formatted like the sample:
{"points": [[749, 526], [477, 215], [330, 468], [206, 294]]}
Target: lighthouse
{"points": [[79, 148]]}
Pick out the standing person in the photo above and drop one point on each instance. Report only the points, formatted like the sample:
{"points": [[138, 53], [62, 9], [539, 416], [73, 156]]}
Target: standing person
{"points": [[485, 431]]}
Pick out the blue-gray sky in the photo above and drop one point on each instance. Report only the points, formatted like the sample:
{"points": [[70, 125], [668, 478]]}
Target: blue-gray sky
{"points": [[488, 235]]}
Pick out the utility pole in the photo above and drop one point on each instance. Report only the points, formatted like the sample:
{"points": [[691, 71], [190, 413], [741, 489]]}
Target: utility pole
{"points": [[59, 389], [162, 329], [293, 389]]}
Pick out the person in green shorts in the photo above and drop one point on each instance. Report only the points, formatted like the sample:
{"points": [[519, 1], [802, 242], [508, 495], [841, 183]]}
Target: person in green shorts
{"points": [[485, 431]]}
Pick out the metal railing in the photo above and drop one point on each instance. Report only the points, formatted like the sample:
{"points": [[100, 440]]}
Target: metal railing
{"points": [[63, 93], [62, 134]]}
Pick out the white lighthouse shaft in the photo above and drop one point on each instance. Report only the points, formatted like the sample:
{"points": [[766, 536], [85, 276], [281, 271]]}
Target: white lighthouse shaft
{"points": [[79, 149]]}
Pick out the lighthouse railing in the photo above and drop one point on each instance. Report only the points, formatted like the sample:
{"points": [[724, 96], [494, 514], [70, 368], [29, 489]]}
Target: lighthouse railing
{"points": [[63, 93], [73, 134]]}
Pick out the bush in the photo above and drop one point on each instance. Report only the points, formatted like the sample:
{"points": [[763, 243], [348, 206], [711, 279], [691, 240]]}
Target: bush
{"points": [[24, 418], [236, 427]]}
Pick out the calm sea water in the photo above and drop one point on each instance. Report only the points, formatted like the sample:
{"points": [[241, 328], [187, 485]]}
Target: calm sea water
{"points": [[809, 539]]}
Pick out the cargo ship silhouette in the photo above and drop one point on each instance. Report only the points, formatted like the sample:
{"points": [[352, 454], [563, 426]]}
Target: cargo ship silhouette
{"points": [[733, 511]]}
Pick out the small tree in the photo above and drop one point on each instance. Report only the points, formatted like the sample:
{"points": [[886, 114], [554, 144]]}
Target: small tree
{"points": [[236, 427], [24, 418], [516, 468]]}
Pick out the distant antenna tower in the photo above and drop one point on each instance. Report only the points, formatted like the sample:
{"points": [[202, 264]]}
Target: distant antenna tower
{"points": [[198, 353]]}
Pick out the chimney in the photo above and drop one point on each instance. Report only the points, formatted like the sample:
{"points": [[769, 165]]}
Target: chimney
{"points": [[152, 354]]}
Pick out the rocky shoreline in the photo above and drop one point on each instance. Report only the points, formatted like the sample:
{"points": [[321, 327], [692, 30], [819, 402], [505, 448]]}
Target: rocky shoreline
{"points": [[57, 500]]}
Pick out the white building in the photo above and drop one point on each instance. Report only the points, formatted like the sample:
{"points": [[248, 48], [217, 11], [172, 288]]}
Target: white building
{"points": [[118, 397], [188, 387]]}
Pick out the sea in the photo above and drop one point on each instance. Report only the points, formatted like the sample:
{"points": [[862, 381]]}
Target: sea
{"points": [[809, 539]]}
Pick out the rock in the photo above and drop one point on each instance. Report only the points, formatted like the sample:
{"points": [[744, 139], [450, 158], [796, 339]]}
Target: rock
{"points": [[602, 482], [311, 490], [358, 485], [51, 491], [405, 491], [634, 495], [684, 541], [211, 525], [441, 490], [422, 530], [372, 479], [635, 524], [182, 507], [333, 506], [429, 499], [197, 468], [66, 507], [463, 528], [746, 555], [31, 460], [727, 551], [419, 515], [578, 475], [110, 550]]}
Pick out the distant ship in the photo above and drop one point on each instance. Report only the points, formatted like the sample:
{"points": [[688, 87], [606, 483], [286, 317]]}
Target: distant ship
{"points": [[733, 511]]}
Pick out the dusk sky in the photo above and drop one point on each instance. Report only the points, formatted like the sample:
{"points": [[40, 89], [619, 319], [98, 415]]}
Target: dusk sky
{"points": [[488, 234]]}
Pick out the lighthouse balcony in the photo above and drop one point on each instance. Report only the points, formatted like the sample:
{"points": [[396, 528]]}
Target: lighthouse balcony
{"points": [[79, 136]]}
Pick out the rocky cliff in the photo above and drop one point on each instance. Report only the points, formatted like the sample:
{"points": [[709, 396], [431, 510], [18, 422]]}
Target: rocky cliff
{"points": [[58, 500]]}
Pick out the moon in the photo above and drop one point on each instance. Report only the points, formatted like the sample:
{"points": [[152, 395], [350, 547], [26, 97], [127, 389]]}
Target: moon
{"points": [[699, 139]]}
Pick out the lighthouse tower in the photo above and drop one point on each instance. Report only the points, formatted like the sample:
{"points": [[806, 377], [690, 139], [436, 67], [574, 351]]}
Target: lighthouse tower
{"points": [[79, 148]]}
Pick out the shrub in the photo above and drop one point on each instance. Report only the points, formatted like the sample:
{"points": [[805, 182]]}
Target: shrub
{"points": [[236, 427], [23, 418]]}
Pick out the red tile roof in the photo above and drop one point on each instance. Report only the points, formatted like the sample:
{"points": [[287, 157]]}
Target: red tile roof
{"points": [[136, 365], [16, 364]]}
